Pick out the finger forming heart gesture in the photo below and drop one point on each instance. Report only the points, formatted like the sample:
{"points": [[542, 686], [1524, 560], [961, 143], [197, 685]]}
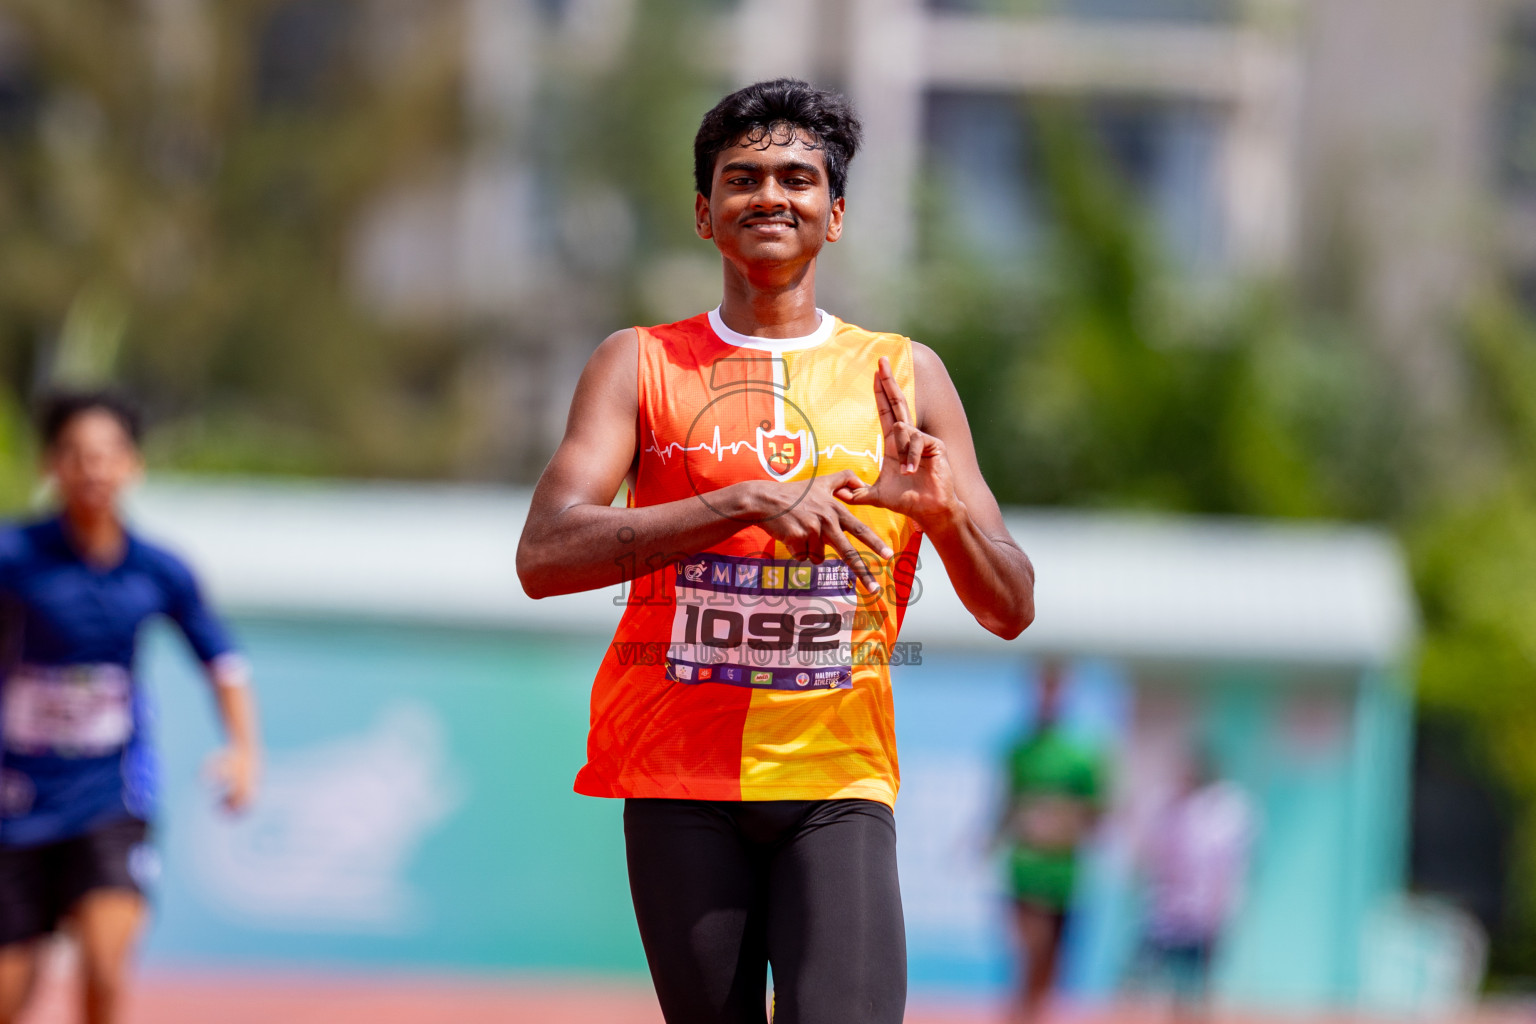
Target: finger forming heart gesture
{"points": [[915, 478], [812, 520]]}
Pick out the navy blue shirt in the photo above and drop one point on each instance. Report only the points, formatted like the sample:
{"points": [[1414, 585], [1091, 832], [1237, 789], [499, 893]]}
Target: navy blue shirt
{"points": [[75, 748]]}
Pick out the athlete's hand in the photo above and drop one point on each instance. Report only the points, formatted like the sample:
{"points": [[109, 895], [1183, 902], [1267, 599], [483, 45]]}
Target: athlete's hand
{"points": [[915, 478], [234, 771], [810, 520]]}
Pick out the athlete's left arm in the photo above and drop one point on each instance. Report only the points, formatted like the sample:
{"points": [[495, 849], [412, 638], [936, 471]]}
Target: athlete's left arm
{"points": [[930, 474], [991, 573], [237, 768]]}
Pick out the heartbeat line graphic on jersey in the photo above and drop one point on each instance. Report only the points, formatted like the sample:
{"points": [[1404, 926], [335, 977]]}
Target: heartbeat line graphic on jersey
{"points": [[872, 456], [714, 447], [719, 449]]}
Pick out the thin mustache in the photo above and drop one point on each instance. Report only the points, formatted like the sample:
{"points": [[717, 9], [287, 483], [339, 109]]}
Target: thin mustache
{"points": [[759, 219]]}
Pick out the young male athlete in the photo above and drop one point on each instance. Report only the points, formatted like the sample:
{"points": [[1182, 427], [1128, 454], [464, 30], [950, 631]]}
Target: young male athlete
{"points": [[77, 774], [783, 466]]}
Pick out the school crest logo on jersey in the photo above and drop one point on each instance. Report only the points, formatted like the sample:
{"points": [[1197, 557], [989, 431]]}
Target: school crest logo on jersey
{"points": [[782, 452]]}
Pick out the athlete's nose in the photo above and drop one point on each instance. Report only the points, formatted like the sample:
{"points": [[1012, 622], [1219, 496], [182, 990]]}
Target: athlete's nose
{"points": [[770, 196]]}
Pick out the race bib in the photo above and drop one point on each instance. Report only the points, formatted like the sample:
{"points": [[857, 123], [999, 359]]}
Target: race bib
{"points": [[72, 711], [764, 623]]}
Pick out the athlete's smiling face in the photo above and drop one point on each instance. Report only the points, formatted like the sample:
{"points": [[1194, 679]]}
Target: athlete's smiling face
{"points": [[770, 201], [92, 460]]}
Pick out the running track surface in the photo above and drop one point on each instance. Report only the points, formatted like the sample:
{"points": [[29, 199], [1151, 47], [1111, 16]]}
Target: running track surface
{"points": [[286, 998]]}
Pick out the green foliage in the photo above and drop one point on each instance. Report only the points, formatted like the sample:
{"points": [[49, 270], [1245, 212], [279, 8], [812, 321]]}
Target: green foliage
{"points": [[171, 220], [1099, 385], [167, 225], [16, 475]]}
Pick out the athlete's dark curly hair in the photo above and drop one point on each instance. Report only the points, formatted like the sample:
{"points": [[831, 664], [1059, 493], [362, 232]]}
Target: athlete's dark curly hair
{"points": [[775, 114], [58, 409]]}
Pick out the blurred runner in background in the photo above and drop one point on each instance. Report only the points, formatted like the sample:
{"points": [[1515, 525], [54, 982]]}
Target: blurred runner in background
{"points": [[1055, 795], [77, 772], [1196, 860]]}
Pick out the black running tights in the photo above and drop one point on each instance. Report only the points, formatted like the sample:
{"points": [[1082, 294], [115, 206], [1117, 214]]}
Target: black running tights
{"points": [[724, 889]]}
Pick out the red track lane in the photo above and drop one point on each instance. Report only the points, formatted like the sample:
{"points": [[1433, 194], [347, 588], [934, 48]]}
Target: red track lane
{"points": [[287, 998]]}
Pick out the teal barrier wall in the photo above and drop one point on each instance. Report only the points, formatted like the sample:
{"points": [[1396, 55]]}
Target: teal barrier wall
{"points": [[418, 807], [418, 812]]}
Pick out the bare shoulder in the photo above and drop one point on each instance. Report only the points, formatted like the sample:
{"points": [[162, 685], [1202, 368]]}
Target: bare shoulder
{"points": [[607, 394], [619, 347], [611, 370], [926, 362], [934, 391], [922, 353]]}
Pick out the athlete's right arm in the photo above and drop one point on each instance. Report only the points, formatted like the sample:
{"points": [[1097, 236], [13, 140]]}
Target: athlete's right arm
{"points": [[575, 540]]}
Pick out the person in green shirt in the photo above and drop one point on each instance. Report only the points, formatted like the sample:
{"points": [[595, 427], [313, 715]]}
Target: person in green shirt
{"points": [[1055, 792]]}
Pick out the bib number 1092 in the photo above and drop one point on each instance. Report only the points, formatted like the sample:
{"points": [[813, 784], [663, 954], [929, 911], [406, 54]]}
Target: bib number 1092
{"points": [[726, 629]]}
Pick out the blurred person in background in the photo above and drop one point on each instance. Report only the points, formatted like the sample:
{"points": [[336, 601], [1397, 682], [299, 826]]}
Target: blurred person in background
{"points": [[744, 708], [1195, 861], [77, 772], [1055, 795]]}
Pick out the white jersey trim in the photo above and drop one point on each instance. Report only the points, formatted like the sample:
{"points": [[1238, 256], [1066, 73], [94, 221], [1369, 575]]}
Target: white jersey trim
{"points": [[823, 331]]}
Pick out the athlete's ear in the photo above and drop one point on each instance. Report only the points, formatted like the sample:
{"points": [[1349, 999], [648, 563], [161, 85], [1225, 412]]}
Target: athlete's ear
{"points": [[835, 221], [701, 222]]}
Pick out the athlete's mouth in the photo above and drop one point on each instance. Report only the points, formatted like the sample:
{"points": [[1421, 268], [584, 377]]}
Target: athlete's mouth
{"points": [[768, 222]]}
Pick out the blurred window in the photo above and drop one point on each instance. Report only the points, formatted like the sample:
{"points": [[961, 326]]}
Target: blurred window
{"points": [[301, 51], [1117, 10], [1461, 825], [1517, 102], [986, 190], [20, 91], [555, 10]]}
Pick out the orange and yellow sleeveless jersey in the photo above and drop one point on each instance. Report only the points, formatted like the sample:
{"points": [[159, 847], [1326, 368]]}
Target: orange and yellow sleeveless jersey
{"points": [[738, 673]]}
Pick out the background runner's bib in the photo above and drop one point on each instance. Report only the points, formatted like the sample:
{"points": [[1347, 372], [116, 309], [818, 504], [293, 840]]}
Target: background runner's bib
{"points": [[68, 711], [739, 673]]}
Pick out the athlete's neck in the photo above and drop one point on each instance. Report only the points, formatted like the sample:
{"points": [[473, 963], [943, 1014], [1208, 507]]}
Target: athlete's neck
{"points": [[97, 536], [770, 308]]}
